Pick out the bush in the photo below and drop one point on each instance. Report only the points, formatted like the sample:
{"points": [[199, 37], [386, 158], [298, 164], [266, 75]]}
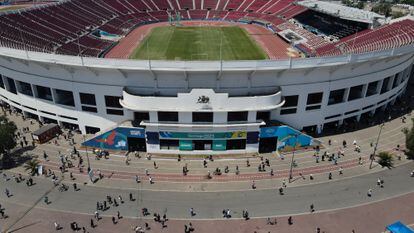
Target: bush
{"points": [[385, 159]]}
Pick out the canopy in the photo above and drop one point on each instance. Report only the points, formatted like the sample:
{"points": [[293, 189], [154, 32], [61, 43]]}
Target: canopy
{"points": [[399, 227]]}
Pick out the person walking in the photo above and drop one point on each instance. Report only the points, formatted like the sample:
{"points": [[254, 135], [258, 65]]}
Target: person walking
{"points": [[369, 193], [312, 208], [192, 212], [290, 220], [7, 192], [97, 215], [92, 223]]}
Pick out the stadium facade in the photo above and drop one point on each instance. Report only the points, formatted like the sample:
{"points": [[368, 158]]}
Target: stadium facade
{"points": [[205, 107], [208, 103]]}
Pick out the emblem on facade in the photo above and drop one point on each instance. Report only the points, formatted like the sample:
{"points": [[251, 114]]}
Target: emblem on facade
{"points": [[203, 100]]}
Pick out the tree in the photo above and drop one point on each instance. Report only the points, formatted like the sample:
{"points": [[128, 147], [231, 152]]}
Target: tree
{"points": [[31, 166], [409, 142], [382, 8], [7, 140], [7, 130], [385, 159]]}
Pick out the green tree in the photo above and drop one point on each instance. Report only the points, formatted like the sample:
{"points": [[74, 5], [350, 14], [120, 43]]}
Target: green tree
{"points": [[409, 142], [397, 14], [7, 140], [31, 166], [7, 130], [382, 8], [385, 159]]}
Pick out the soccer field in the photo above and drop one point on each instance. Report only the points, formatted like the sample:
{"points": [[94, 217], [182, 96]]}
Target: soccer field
{"points": [[198, 43]]}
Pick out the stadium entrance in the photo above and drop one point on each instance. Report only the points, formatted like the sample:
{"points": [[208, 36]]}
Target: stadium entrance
{"points": [[137, 144], [268, 145]]}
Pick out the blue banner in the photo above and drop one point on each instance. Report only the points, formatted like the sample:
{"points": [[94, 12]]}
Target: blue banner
{"points": [[286, 136], [115, 139]]}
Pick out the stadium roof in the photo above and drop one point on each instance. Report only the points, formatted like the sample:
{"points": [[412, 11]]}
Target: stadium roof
{"points": [[341, 11]]}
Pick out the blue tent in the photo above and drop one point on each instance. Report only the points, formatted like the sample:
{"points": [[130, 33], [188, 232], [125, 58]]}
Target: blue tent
{"points": [[399, 227]]}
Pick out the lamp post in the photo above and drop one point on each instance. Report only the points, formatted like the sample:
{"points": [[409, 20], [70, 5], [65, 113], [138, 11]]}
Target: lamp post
{"points": [[372, 157], [293, 157], [87, 156]]}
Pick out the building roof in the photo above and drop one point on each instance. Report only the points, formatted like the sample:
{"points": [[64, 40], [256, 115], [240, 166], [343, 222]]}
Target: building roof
{"points": [[344, 12], [44, 129]]}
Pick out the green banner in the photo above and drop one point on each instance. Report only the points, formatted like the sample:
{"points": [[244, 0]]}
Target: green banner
{"points": [[219, 145], [204, 136], [186, 145]]}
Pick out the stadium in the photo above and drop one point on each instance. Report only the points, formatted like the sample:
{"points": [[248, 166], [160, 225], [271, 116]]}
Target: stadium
{"points": [[202, 76]]}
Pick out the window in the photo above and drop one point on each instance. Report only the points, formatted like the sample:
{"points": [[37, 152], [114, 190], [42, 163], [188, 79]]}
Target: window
{"points": [[169, 144], [88, 99], [372, 88], [314, 98], [395, 83], [141, 116], [291, 101], [25, 88], [236, 144], [89, 109], [264, 116], [168, 116], [237, 116], [336, 96], [44, 93], [333, 116], [114, 112], [313, 107], [355, 92], [287, 111], [353, 111], [91, 130], [384, 87], [12, 85], [64, 97], [68, 117], [202, 117], [1, 82], [112, 101]]}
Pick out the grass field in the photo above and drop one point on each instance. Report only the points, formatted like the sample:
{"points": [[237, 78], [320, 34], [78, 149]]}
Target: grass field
{"points": [[198, 43]]}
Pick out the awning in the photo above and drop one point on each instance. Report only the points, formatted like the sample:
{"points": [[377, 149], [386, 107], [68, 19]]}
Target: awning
{"points": [[399, 227]]}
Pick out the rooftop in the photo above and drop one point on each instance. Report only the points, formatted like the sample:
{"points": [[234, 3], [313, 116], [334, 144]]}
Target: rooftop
{"points": [[341, 11]]}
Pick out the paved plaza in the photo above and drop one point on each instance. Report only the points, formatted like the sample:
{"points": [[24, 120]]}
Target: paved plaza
{"points": [[341, 203]]}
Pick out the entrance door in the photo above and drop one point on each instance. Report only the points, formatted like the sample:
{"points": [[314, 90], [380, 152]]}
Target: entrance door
{"points": [[137, 144], [267, 145], [202, 144]]}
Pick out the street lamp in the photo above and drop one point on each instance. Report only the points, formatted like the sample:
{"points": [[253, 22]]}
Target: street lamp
{"points": [[372, 157], [293, 157], [87, 156]]}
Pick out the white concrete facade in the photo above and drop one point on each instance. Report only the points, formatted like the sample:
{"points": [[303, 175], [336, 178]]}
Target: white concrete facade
{"points": [[250, 86]]}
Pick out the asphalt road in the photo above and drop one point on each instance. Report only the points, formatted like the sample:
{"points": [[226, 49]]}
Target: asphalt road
{"points": [[208, 205]]}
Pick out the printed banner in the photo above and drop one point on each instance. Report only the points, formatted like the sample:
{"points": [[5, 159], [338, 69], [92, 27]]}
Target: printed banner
{"points": [[115, 139], [206, 136]]}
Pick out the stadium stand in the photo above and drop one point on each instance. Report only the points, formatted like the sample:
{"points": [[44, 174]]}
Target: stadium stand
{"points": [[70, 27], [386, 37], [330, 25]]}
